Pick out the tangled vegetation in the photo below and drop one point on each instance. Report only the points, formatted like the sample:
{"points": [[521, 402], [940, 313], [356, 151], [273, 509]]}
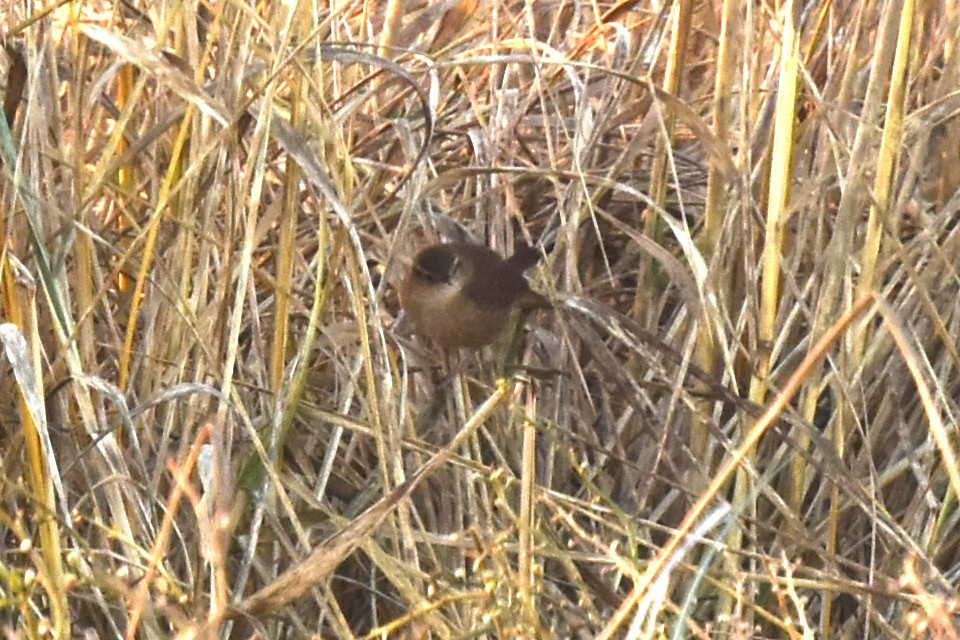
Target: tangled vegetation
{"points": [[738, 420]]}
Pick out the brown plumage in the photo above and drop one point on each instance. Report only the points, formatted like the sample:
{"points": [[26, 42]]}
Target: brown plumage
{"points": [[461, 295]]}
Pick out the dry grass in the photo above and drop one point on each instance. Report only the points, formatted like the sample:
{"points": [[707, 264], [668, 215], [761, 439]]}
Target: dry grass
{"points": [[741, 420]]}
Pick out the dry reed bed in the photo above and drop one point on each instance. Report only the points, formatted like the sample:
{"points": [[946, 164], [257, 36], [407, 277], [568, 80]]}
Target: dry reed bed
{"points": [[739, 422]]}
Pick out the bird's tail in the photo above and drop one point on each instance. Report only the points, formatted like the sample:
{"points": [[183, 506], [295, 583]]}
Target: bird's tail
{"points": [[524, 257]]}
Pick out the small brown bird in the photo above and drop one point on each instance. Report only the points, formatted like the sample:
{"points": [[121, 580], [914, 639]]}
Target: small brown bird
{"points": [[461, 295]]}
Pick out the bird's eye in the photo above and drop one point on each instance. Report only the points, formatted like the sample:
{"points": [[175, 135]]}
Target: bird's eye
{"points": [[431, 276]]}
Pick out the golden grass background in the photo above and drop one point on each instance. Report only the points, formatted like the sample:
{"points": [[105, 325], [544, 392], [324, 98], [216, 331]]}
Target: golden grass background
{"points": [[740, 420]]}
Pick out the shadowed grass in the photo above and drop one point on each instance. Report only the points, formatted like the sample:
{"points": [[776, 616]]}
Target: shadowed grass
{"points": [[738, 421]]}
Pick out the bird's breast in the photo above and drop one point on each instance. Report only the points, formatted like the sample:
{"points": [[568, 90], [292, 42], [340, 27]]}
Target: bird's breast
{"points": [[446, 316]]}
